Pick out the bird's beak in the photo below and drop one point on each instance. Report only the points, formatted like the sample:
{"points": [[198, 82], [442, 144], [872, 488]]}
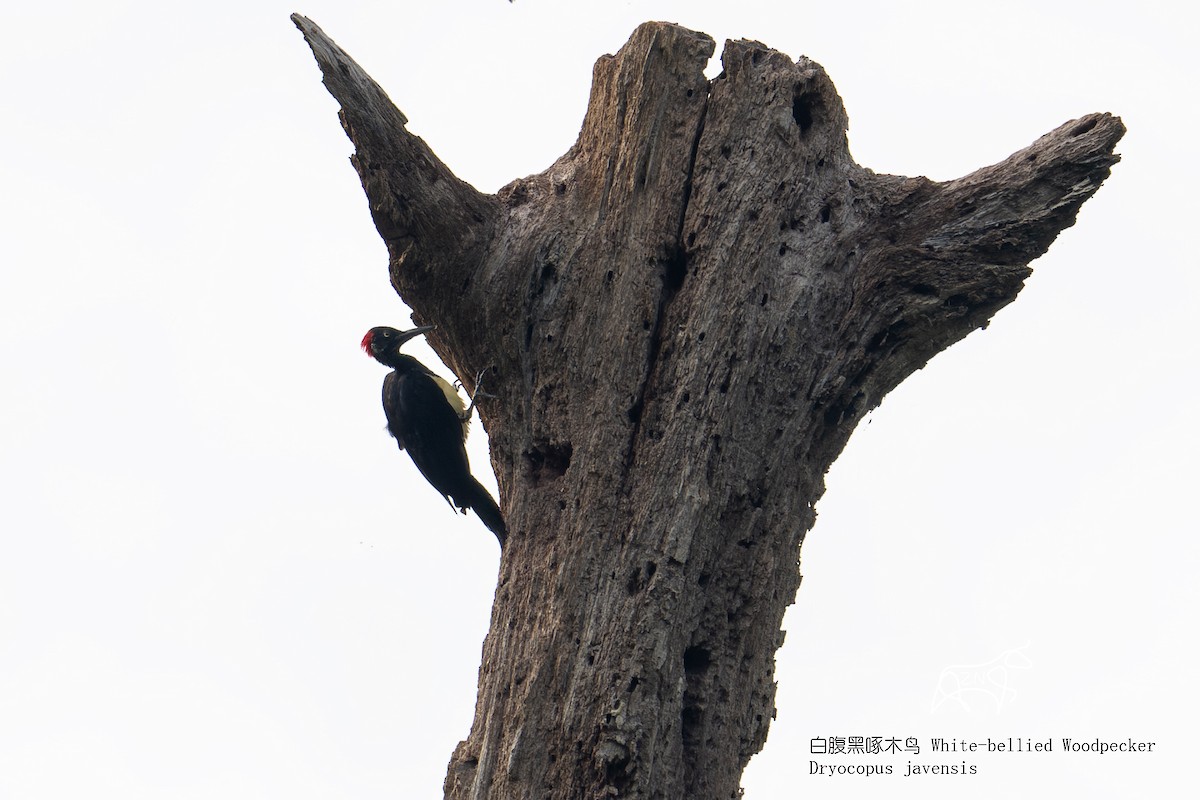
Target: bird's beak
{"points": [[414, 333]]}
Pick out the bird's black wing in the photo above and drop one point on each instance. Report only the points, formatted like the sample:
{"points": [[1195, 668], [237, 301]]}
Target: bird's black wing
{"points": [[427, 427]]}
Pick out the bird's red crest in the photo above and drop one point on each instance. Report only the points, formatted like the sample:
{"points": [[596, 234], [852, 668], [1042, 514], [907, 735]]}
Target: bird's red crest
{"points": [[366, 342]]}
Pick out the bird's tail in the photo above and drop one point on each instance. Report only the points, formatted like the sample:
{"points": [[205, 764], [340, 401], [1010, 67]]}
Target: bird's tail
{"points": [[478, 500]]}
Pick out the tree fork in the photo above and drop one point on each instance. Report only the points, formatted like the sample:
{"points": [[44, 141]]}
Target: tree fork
{"points": [[684, 318]]}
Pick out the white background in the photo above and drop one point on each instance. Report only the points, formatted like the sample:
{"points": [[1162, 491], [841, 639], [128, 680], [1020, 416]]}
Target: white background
{"points": [[219, 578]]}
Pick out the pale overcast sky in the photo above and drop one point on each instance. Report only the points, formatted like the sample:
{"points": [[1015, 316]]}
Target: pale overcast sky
{"points": [[220, 579]]}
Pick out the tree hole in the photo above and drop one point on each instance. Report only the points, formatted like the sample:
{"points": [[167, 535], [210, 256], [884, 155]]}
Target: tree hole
{"points": [[1083, 127], [696, 659], [691, 718], [548, 461], [635, 413], [676, 270], [804, 105]]}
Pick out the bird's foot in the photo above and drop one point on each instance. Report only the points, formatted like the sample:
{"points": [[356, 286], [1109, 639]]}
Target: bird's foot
{"points": [[466, 414]]}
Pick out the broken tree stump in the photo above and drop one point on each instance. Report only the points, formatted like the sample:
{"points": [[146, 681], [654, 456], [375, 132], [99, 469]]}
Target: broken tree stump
{"points": [[684, 318]]}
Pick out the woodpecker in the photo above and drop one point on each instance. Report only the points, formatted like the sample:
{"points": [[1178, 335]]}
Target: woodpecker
{"points": [[428, 419]]}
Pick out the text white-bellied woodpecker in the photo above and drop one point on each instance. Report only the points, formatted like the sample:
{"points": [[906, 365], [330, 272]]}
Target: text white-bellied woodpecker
{"points": [[428, 419]]}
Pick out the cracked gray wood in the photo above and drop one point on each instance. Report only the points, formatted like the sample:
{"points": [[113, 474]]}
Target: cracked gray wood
{"points": [[684, 318]]}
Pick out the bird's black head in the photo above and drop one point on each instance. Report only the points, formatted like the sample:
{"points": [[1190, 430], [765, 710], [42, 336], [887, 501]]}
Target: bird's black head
{"points": [[383, 343]]}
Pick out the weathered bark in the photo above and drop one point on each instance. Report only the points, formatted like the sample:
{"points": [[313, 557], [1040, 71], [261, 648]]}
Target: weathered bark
{"points": [[685, 316]]}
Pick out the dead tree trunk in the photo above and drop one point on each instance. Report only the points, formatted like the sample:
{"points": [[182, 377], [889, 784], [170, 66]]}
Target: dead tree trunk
{"points": [[685, 316]]}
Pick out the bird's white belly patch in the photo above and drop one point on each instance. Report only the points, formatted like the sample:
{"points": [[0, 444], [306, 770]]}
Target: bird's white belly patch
{"points": [[454, 399]]}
